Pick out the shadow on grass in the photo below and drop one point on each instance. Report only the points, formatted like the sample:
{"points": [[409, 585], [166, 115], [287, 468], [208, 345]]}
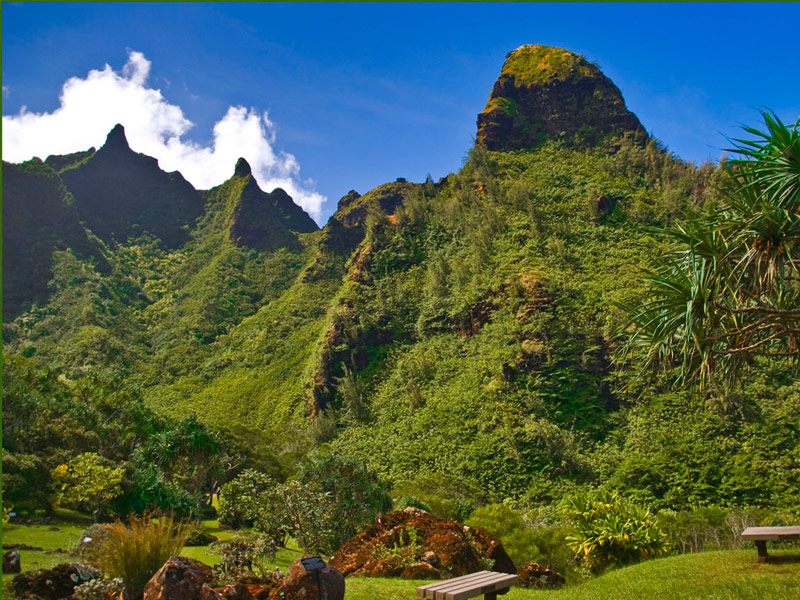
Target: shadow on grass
{"points": [[783, 559]]}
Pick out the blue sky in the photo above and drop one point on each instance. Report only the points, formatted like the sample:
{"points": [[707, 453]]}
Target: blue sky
{"points": [[360, 94]]}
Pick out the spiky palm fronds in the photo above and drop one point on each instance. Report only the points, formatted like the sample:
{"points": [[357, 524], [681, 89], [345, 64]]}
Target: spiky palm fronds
{"points": [[730, 290]]}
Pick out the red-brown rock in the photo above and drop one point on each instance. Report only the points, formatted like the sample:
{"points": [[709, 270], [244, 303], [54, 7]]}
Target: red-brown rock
{"points": [[52, 584], [11, 562], [409, 536], [323, 584], [421, 570], [532, 575], [181, 578]]}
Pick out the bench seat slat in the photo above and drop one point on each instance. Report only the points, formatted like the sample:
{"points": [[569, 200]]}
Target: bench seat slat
{"points": [[438, 585], [466, 586], [446, 591], [451, 592], [771, 533], [463, 594]]}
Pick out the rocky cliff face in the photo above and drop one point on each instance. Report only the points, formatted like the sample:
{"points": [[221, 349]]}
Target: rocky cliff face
{"points": [[549, 93], [262, 220]]}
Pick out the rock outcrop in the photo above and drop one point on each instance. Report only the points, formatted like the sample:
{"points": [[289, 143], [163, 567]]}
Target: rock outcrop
{"points": [[550, 93], [120, 193], [261, 220], [11, 562], [322, 584], [531, 575], [52, 584], [181, 578], [414, 544]]}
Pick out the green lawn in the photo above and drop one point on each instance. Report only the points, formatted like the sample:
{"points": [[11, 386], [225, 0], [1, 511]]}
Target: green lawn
{"points": [[725, 575]]}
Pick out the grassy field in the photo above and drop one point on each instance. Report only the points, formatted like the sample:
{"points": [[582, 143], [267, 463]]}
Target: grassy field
{"points": [[725, 575]]}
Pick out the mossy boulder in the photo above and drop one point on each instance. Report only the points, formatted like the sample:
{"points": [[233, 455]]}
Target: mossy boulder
{"points": [[550, 93], [399, 542]]}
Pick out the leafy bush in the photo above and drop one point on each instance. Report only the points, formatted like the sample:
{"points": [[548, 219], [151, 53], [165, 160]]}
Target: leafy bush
{"points": [[355, 494], [446, 496], [199, 536], [90, 540], [243, 498], [509, 526], [87, 481], [136, 551], [611, 531]]}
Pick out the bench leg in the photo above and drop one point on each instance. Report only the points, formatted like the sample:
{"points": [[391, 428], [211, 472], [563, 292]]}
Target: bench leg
{"points": [[761, 546], [490, 596]]}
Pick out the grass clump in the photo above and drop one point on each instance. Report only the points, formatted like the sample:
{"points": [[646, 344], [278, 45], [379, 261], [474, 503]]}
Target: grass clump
{"points": [[135, 550]]}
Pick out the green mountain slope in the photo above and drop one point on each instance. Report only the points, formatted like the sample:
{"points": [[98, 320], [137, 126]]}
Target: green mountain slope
{"points": [[457, 335], [120, 193]]}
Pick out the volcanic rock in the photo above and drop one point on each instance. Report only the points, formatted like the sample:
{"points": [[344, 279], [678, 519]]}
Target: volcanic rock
{"points": [[53, 584], [550, 93], [531, 575], [322, 584], [11, 562], [402, 539], [181, 578]]}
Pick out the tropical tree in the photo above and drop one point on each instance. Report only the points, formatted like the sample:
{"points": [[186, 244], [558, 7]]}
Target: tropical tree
{"points": [[189, 455], [355, 494], [87, 481], [730, 289]]}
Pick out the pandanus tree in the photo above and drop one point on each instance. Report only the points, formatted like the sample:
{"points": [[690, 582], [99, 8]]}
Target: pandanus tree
{"points": [[729, 290]]}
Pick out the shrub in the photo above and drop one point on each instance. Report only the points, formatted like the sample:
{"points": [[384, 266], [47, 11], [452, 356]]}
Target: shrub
{"points": [[405, 550], [199, 536], [87, 481], [90, 540], [135, 551], [242, 498], [612, 531], [355, 495], [99, 589], [509, 527]]}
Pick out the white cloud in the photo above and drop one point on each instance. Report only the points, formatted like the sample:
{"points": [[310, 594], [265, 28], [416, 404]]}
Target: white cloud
{"points": [[90, 107]]}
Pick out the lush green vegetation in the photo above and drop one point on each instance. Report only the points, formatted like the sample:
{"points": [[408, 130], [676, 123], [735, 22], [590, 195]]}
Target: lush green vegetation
{"points": [[729, 289], [720, 574], [450, 345]]}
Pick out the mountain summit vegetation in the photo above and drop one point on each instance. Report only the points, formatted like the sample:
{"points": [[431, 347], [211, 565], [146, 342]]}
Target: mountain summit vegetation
{"points": [[460, 338]]}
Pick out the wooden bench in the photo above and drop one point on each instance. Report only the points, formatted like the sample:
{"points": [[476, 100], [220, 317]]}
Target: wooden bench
{"points": [[487, 583], [760, 535]]}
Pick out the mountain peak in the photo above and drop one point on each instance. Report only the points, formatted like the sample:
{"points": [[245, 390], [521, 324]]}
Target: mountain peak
{"points": [[242, 168], [551, 93], [116, 138]]}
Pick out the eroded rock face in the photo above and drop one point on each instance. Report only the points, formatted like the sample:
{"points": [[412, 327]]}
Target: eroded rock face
{"points": [[323, 584], [398, 544], [181, 578], [53, 584], [550, 93], [531, 575]]}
